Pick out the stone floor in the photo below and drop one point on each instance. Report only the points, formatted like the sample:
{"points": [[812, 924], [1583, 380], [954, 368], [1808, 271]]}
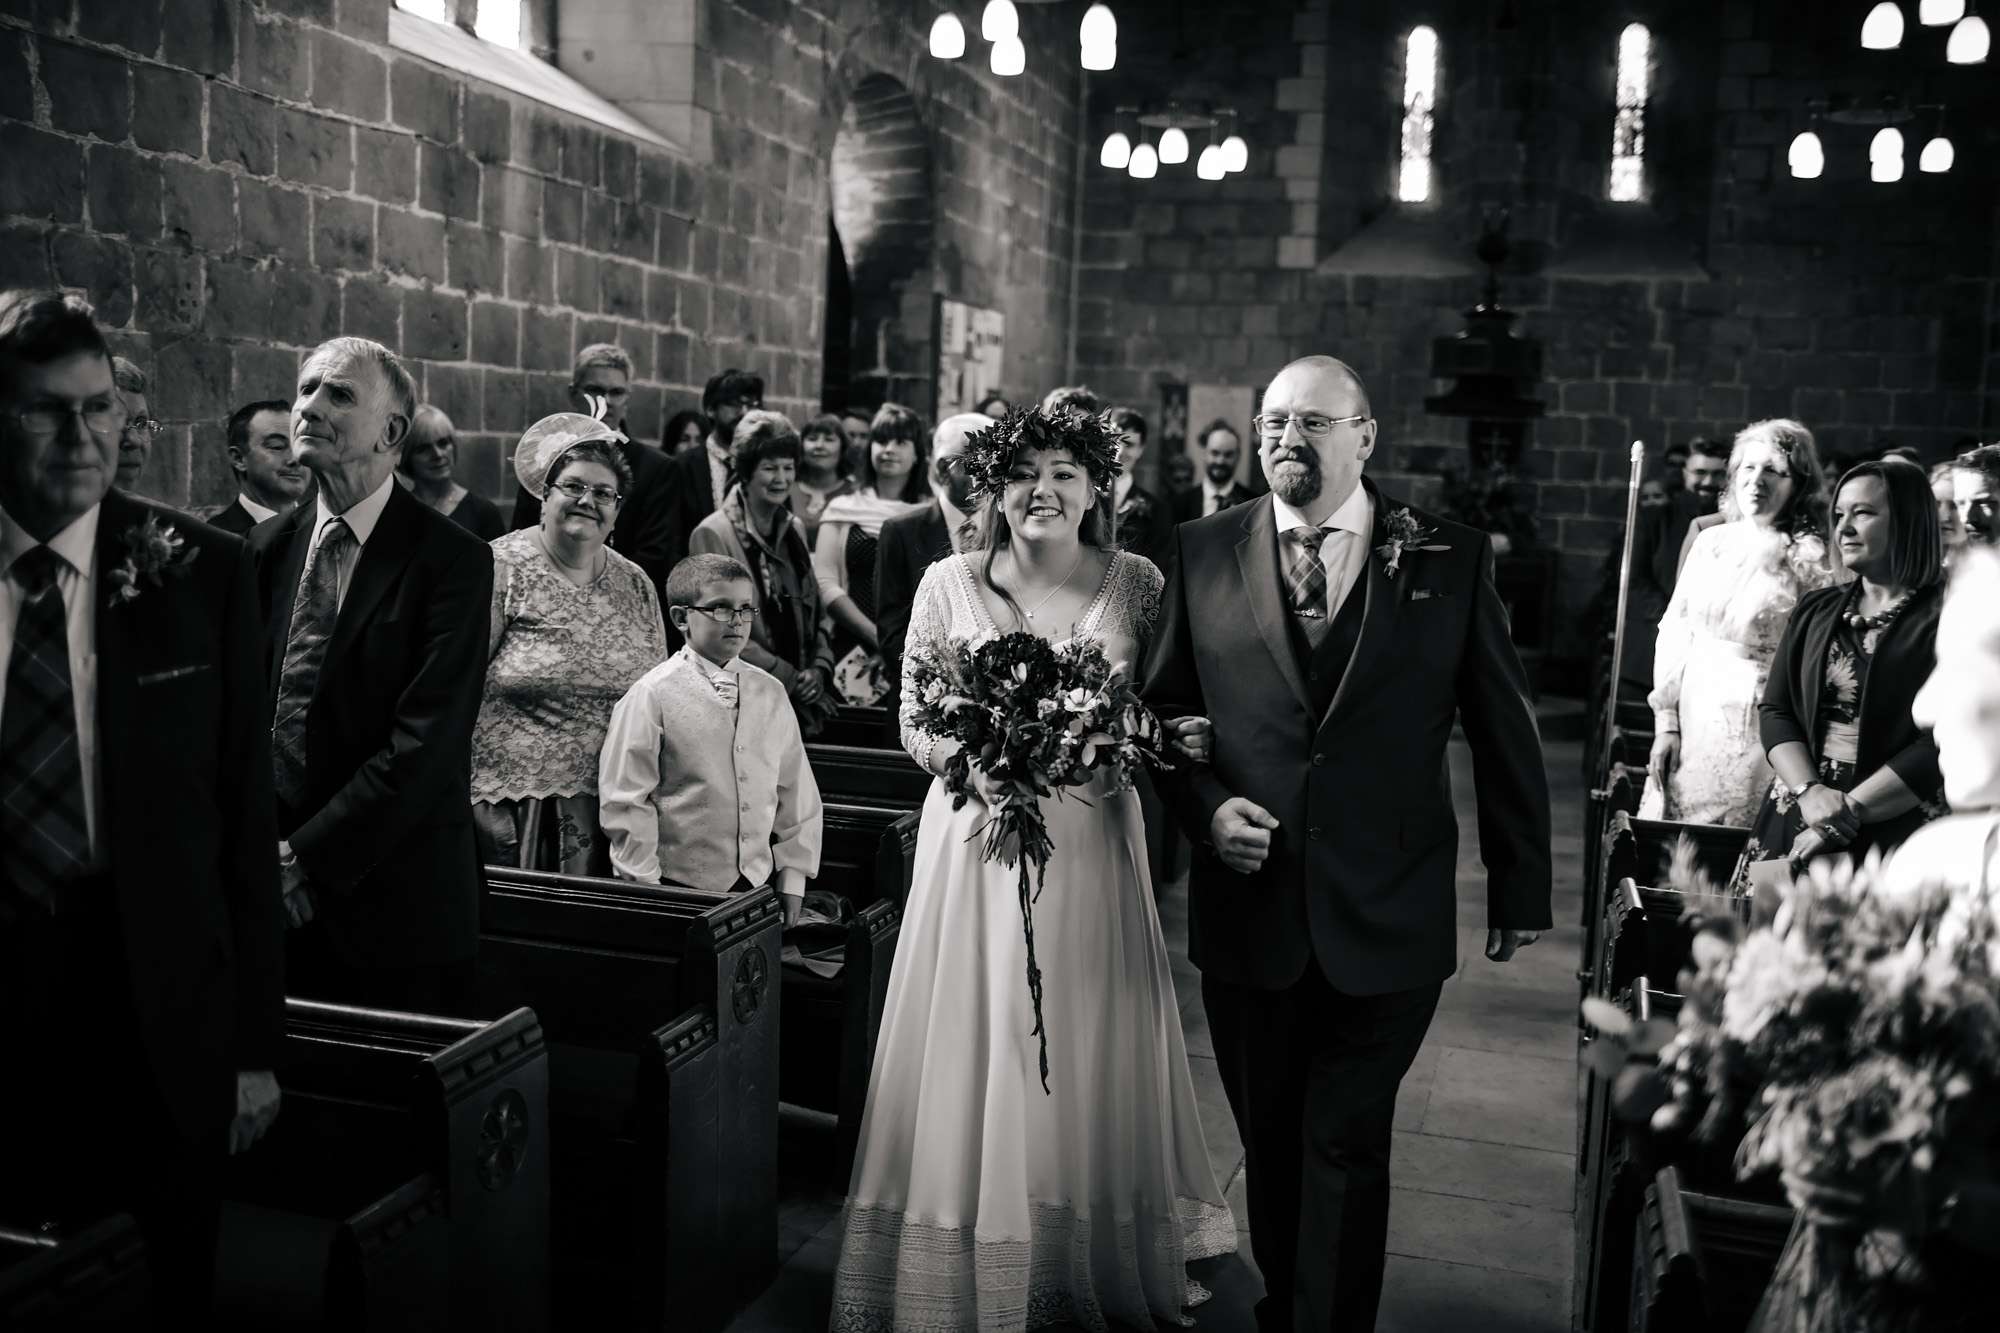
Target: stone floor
{"points": [[1480, 1227]]}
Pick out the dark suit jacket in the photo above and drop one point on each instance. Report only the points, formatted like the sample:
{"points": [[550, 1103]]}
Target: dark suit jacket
{"points": [[233, 518], [694, 495], [1146, 525], [645, 532], [1903, 661], [1187, 505], [384, 830], [910, 544], [1362, 865], [185, 744]]}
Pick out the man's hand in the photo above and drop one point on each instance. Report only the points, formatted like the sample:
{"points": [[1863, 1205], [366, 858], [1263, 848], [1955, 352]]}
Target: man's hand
{"points": [[1501, 945], [1241, 832], [1666, 756], [808, 685], [1193, 737], [292, 884], [257, 1099], [795, 903]]}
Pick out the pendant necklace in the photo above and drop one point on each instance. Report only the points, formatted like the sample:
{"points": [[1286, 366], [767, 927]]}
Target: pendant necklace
{"points": [[1030, 614]]}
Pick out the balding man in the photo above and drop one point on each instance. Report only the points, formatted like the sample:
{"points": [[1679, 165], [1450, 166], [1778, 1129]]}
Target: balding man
{"points": [[377, 612], [911, 543], [1333, 635]]}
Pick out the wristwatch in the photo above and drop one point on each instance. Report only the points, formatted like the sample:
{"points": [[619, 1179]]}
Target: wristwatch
{"points": [[1803, 788]]}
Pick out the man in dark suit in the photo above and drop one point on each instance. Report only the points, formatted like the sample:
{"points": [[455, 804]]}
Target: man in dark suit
{"points": [[1658, 548], [1145, 524], [1221, 451], [141, 963], [701, 476], [269, 481], [911, 543], [644, 533], [1333, 636], [377, 608]]}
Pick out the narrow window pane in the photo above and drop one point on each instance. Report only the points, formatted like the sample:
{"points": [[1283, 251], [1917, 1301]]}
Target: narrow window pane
{"points": [[1628, 132], [438, 11], [499, 22], [1413, 182]]}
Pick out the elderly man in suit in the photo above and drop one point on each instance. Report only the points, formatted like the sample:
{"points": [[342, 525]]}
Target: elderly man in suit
{"points": [[377, 609], [141, 948], [1333, 636], [269, 481], [1221, 451]]}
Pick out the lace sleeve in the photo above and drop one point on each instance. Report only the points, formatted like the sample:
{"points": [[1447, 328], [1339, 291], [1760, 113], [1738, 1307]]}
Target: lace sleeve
{"points": [[930, 626], [1135, 607]]}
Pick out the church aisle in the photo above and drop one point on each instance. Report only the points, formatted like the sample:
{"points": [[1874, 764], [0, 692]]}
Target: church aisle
{"points": [[1480, 1226]]}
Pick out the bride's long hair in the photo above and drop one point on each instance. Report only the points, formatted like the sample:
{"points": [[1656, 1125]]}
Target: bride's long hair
{"points": [[1099, 528]]}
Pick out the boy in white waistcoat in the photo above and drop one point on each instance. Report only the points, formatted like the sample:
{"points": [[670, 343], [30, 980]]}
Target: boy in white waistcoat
{"points": [[703, 778]]}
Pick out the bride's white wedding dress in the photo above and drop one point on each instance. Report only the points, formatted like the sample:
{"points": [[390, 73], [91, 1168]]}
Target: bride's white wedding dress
{"points": [[979, 1202]]}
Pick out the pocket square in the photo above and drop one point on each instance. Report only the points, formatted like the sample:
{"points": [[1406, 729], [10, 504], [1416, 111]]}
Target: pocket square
{"points": [[1427, 594], [171, 673]]}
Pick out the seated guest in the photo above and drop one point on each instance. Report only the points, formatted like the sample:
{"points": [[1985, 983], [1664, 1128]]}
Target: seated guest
{"points": [[1854, 770], [430, 456], [1145, 526], [703, 773], [888, 483], [790, 636], [646, 517], [141, 948], [686, 429], [1722, 625], [574, 624], [1221, 451], [823, 471], [912, 542], [135, 443], [377, 612], [1975, 485], [702, 476], [1943, 491], [994, 405], [269, 481]]}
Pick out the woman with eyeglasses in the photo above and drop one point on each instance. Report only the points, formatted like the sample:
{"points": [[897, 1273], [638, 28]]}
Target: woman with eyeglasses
{"points": [[790, 637], [574, 625], [135, 442]]}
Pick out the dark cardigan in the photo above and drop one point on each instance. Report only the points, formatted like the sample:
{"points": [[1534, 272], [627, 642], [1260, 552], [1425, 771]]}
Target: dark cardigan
{"points": [[1902, 663]]}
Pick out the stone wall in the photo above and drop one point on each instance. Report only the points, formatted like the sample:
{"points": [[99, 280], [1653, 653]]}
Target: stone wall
{"points": [[232, 181]]}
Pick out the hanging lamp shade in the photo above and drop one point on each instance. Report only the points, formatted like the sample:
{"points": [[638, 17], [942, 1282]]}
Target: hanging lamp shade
{"points": [[1209, 165], [1145, 163], [1969, 42], [1117, 151], [1882, 30], [1807, 157], [1173, 146], [1235, 153], [1001, 20], [1937, 13], [1100, 28], [1100, 57], [1010, 57], [947, 37], [1888, 142], [1886, 170], [1937, 156]]}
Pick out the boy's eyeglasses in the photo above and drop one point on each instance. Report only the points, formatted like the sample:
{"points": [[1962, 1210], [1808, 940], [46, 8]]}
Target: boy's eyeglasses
{"points": [[576, 490], [728, 615]]}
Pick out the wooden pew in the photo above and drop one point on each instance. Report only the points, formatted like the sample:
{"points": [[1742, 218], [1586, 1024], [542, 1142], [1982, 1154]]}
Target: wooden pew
{"points": [[1639, 850], [1701, 1261], [411, 1148], [866, 726], [662, 1010], [870, 775], [94, 1278], [1612, 1167]]}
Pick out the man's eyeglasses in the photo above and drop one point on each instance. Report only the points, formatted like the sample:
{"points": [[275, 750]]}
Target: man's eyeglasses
{"points": [[104, 416], [728, 615], [576, 490], [1312, 425], [148, 426]]}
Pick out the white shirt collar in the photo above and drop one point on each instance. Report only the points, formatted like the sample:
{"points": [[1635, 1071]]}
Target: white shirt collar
{"points": [[361, 517], [1120, 489], [1356, 515], [1209, 488], [255, 510], [76, 543], [708, 668]]}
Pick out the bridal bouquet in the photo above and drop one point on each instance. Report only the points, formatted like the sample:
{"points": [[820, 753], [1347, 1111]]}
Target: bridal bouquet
{"points": [[1037, 719], [1854, 1045]]}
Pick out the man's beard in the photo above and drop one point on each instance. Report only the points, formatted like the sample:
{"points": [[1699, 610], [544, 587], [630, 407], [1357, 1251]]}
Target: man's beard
{"points": [[1297, 486], [1221, 473], [1709, 501]]}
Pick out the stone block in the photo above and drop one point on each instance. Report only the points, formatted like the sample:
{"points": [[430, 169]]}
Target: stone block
{"points": [[371, 308], [496, 333], [348, 78], [202, 36], [562, 212], [423, 101], [458, 391], [531, 271], [476, 259], [90, 92], [580, 147], [166, 110], [314, 150], [239, 300], [17, 85], [671, 357], [599, 213], [385, 165], [545, 339], [633, 236], [101, 266], [1301, 94], [540, 148], [199, 205], [577, 280], [409, 243], [447, 182], [124, 192], [504, 400], [621, 168], [343, 233], [168, 287], [275, 221], [132, 24], [511, 200], [273, 56], [242, 129], [624, 290], [486, 126], [674, 247], [191, 380], [1299, 163], [1297, 252], [263, 373], [306, 307]]}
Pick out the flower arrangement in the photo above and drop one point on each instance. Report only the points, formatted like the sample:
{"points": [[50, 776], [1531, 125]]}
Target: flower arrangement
{"points": [[1852, 1044], [989, 453], [1037, 719], [152, 550], [1405, 534]]}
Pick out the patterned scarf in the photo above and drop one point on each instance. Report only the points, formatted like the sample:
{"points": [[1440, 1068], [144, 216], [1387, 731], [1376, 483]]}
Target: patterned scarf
{"points": [[779, 601]]}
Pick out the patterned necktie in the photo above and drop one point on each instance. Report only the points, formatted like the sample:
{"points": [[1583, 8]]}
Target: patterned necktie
{"points": [[725, 686], [44, 838], [1305, 573], [314, 611]]}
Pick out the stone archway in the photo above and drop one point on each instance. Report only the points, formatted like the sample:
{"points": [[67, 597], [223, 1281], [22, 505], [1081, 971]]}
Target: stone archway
{"points": [[881, 202]]}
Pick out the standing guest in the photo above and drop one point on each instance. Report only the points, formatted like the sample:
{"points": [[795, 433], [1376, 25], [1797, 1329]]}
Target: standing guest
{"points": [[994, 405], [1178, 471], [702, 476], [790, 636], [600, 386], [377, 619], [703, 770], [429, 457], [854, 423], [912, 542], [1722, 626], [1221, 451], [141, 949], [1704, 479], [1975, 485], [1659, 546], [1944, 492], [685, 432], [1854, 769], [135, 443], [1653, 493], [823, 471], [269, 481], [1073, 398], [1672, 462], [574, 624], [886, 484], [1144, 523]]}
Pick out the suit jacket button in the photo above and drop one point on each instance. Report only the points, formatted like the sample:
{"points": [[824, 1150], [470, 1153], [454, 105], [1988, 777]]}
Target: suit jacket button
{"points": [[1313, 833], [1318, 759]]}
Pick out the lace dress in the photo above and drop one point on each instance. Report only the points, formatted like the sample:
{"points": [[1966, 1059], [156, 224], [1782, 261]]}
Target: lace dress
{"points": [[1718, 636], [978, 1202]]}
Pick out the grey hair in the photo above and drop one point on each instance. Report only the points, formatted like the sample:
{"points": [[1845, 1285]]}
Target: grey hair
{"points": [[402, 389], [127, 376]]}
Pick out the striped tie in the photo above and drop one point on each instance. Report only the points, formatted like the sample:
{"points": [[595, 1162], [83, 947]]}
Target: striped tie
{"points": [[314, 611], [44, 838], [1305, 580]]}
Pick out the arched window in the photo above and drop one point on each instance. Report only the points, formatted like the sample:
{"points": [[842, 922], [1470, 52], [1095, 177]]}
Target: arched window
{"points": [[1420, 71], [496, 21], [1628, 132]]}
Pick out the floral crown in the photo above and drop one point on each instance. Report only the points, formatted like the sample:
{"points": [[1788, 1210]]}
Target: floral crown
{"points": [[989, 453]]}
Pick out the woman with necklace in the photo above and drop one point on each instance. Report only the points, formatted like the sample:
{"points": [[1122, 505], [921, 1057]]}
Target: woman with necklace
{"points": [[428, 465], [978, 1201], [1854, 770], [574, 625]]}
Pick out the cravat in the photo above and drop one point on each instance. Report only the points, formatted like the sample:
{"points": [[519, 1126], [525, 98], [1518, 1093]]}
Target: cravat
{"points": [[725, 686], [314, 611], [44, 837]]}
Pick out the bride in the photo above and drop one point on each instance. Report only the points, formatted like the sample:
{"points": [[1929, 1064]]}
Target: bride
{"points": [[977, 1201]]}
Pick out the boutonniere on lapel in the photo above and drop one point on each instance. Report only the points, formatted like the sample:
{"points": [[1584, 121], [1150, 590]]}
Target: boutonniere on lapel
{"points": [[1405, 534], [152, 550]]}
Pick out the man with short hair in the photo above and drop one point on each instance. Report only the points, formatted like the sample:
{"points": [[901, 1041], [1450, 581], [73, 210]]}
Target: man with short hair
{"points": [[644, 532], [1145, 524], [1221, 450], [701, 476], [911, 543], [1658, 548], [377, 611], [141, 948], [269, 481]]}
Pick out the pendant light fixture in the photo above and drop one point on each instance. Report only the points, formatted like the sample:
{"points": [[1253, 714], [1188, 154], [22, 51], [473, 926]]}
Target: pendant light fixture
{"points": [[1173, 146], [1807, 157], [1937, 156], [1209, 166], [1010, 57], [1001, 20], [947, 37], [1117, 151], [1097, 38], [1882, 30], [1969, 41], [1145, 163], [1937, 13]]}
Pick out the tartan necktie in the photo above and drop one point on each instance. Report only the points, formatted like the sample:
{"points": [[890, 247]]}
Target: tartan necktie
{"points": [[44, 836], [1305, 573], [314, 611]]}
